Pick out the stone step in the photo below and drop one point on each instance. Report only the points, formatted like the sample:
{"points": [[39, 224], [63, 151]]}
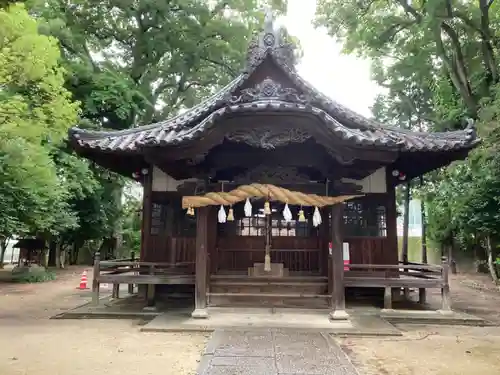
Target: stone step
{"points": [[274, 288], [297, 300]]}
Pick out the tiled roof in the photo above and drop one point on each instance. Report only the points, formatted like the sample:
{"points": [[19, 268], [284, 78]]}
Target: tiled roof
{"points": [[269, 96]]}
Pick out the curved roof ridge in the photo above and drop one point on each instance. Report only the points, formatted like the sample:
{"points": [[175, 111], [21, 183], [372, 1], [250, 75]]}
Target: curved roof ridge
{"points": [[376, 137], [204, 105]]}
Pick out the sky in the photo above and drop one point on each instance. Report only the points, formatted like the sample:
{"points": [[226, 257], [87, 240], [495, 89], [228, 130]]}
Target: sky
{"points": [[345, 79]]}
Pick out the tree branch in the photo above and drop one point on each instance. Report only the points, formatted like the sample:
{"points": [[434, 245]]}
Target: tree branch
{"points": [[457, 66], [229, 69], [392, 31], [410, 10], [486, 45]]}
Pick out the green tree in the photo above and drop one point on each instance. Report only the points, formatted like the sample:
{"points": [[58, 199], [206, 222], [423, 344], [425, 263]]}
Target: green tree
{"points": [[438, 61], [132, 224], [35, 109], [131, 63], [139, 62]]}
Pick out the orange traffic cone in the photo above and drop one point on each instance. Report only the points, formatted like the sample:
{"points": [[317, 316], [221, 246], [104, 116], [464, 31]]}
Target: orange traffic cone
{"points": [[83, 281]]}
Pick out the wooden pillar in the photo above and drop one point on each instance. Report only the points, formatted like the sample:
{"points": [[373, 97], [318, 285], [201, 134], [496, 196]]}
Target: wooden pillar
{"points": [[95, 279], [131, 286], [146, 214], [324, 239], [445, 288], [337, 264], [116, 291], [422, 296], [151, 292], [388, 297], [391, 219], [200, 298]]}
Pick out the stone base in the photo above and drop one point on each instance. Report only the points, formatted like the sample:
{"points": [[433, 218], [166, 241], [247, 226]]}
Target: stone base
{"points": [[199, 314], [277, 270], [339, 315], [445, 312]]}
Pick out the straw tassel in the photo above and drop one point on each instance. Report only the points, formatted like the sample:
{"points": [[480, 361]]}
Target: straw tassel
{"points": [[230, 215], [267, 208], [267, 262], [302, 217]]}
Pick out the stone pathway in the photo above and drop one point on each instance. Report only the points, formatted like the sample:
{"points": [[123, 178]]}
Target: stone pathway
{"points": [[274, 352]]}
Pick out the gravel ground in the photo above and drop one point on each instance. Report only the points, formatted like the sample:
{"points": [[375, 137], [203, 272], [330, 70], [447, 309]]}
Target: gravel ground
{"points": [[442, 351], [30, 344], [439, 350]]}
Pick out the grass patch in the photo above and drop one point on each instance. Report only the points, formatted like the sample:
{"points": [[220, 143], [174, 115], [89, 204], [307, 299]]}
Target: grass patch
{"points": [[33, 276]]}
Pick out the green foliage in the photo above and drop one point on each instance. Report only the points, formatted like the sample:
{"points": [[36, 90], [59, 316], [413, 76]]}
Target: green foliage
{"points": [[131, 63], [38, 275], [102, 64], [35, 108], [438, 61], [139, 62], [33, 101], [132, 224]]}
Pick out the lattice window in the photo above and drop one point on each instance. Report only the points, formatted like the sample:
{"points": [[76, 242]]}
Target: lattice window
{"points": [[157, 219], [293, 228], [251, 226], [256, 226], [364, 218], [381, 221]]}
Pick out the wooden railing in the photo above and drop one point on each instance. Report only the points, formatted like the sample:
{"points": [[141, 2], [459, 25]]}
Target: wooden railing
{"points": [[305, 260], [404, 275], [133, 272]]}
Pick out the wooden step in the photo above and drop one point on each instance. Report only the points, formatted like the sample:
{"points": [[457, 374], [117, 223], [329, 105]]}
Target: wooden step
{"points": [[249, 299], [271, 279], [267, 282], [269, 295], [259, 288]]}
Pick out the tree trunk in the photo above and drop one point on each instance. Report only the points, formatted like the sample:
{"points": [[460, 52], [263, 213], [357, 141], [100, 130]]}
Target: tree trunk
{"points": [[62, 255], [406, 222], [52, 254], [58, 255], [75, 250], [451, 260], [491, 260], [3, 249]]}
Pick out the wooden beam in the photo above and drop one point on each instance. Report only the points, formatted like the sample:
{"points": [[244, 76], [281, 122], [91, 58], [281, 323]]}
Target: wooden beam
{"points": [[200, 311], [337, 264]]}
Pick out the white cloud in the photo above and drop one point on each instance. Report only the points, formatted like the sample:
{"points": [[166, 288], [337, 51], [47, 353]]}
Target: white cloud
{"points": [[346, 79]]}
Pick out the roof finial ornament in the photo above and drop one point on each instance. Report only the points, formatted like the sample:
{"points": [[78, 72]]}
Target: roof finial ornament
{"points": [[269, 37], [269, 19], [270, 41]]}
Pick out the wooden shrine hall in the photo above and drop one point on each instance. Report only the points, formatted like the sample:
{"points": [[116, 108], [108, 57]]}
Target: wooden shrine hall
{"points": [[253, 196]]}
